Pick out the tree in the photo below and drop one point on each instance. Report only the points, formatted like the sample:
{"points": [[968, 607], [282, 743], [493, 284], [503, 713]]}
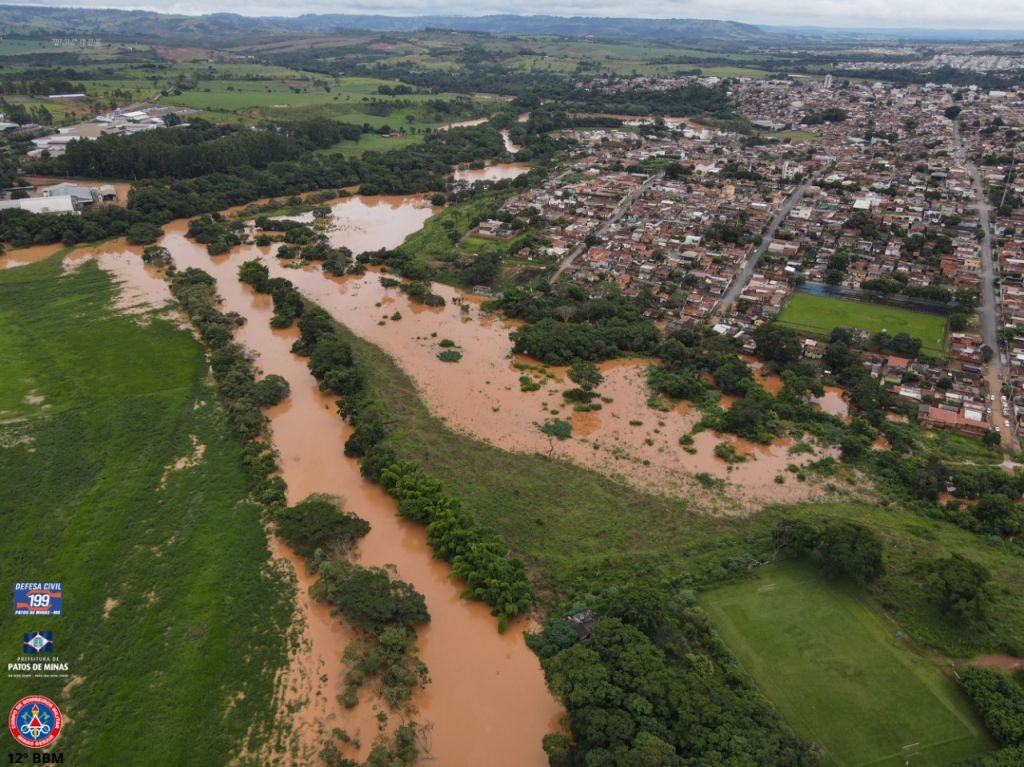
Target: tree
{"points": [[952, 112], [998, 513], [585, 375], [144, 234], [851, 550], [960, 584], [777, 344], [320, 521]]}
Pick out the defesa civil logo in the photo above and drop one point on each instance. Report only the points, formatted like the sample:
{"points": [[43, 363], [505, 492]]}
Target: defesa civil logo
{"points": [[38, 598], [35, 721]]}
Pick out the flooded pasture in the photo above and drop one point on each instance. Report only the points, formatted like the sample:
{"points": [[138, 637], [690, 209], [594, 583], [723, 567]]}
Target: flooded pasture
{"points": [[483, 396]]}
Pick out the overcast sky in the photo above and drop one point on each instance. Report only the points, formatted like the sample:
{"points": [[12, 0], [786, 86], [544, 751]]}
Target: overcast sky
{"points": [[972, 14]]}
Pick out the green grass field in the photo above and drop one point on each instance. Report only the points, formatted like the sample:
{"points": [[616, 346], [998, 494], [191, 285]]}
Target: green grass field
{"points": [[818, 315], [839, 676], [173, 627]]}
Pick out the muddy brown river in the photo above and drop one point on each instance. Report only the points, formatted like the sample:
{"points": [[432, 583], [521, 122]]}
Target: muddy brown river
{"points": [[487, 702]]}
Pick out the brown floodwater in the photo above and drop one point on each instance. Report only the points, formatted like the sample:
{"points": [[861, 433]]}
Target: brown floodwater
{"points": [[510, 147], [363, 223], [771, 382], [481, 395], [833, 403], [487, 701], [496, 172], [466, 123], [23, 256]]}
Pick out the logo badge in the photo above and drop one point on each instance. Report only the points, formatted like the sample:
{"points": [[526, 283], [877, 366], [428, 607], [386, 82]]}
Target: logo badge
{"points": [[38, 598], [35, 721], [37, 642]]}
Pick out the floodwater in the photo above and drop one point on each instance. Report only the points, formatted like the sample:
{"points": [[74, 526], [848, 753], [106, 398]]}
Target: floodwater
{"points": [[482, 396], [833, 403], [496, 172], [466, 123], [487, 702], [23, 256], [510, 147], [363, 223], [771, 382]]}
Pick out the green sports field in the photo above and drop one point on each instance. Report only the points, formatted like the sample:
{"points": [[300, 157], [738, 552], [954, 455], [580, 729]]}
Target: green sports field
{"points": [[838, 674], [818, 315]]}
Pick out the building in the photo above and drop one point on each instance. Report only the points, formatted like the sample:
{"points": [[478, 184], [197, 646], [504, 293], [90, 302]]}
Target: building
{"points": [[62, 204]]}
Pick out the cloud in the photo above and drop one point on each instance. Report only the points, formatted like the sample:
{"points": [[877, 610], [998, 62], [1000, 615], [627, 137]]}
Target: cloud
{"points": [[979, 14]]}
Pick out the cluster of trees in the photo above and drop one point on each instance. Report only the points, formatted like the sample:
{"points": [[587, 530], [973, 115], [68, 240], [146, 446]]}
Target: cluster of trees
{"points": [[320, 524], [218, 235], [690, 355], [960, 585], [477, 556], [568, 324], [840, 547], [25, 115], [242, 395], [288, 303], [387, 611], [830, 115], [185, 152], [647, 682], [999, 700]]}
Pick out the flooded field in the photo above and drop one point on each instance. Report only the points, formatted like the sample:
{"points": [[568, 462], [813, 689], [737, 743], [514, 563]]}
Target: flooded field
{"points": [[482, 395], [496, 172], [363, 223], [23, 256]]}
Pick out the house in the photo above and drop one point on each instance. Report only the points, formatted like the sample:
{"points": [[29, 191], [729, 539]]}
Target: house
{"points": [[968, 421]]}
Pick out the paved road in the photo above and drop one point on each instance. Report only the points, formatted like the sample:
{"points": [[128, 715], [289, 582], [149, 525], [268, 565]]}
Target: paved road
{"points": [[619, 212], [743, 278], [989, 309]]}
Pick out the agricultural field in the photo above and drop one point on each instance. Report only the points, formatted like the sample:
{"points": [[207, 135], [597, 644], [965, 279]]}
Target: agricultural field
{"points": [[838, 673], [165, 569], [818, 315]]}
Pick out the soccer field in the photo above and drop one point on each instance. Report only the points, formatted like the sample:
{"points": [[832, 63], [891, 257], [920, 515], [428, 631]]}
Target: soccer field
{"points": [[818, 315], [838, 674]]}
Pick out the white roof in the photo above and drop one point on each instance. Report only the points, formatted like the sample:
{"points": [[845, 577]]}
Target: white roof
{"points": [[60, 204]]}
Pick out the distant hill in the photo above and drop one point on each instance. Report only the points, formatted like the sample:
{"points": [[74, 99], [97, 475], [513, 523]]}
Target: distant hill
{"points": [[679, 30], [149, 25], [230, 27]]}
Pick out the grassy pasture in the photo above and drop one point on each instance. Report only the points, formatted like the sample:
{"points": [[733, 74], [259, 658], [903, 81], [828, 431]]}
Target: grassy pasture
{"points": [[173, 625], [838, 674], [818, 315]]}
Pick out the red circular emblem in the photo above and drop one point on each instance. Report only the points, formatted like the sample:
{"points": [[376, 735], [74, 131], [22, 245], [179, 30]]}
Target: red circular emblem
{"points": [[35, 721]]}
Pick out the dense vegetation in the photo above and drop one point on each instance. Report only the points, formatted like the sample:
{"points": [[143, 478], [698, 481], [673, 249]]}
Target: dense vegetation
{"points": [[647, 682], [1000, 702], [566, 323]]}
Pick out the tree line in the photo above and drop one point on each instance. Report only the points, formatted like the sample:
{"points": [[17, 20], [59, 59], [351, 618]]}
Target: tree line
{"points": [[477, 556]]}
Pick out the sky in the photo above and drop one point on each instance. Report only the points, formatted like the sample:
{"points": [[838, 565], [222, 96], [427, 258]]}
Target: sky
{"points": [[976, 14]]}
